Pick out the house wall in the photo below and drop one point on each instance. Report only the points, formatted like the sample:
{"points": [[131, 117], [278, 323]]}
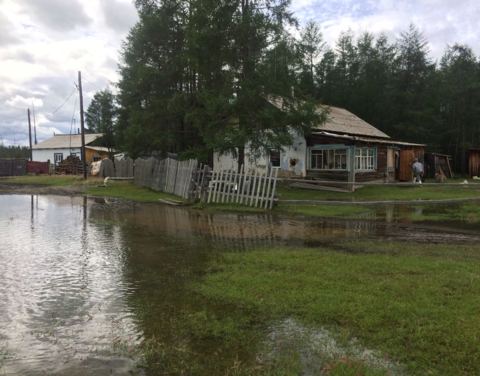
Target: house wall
{"points": [[43, 155], [292, 159]]}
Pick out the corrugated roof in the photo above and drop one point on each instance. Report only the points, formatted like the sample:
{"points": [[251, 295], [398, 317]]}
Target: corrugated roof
{"points": [[65, 141], [100, 148], [369, 139], [342, 121]]}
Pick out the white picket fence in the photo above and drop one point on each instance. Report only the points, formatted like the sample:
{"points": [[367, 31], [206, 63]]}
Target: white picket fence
{"points": [[254, 189]]}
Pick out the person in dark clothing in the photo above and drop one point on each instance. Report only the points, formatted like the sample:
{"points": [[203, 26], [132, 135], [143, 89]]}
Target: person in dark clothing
{"points": [[417, 169]]}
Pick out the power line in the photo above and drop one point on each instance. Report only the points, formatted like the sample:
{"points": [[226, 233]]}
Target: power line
{"points": [[64, 103], [72, 122]]}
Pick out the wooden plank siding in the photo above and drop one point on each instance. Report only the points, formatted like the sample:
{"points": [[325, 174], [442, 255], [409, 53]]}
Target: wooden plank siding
{"points": [[474, 163]]}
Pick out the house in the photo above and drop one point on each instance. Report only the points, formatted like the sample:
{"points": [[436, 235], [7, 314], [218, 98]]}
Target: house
{"points": [[60, 146], [342, 144]]}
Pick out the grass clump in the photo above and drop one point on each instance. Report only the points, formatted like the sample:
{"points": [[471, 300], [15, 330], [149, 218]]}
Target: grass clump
{"points": [[418, 306]]}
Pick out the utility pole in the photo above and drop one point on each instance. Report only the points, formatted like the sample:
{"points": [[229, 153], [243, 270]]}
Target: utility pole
{"points": [[30, 134], [82, 123]]}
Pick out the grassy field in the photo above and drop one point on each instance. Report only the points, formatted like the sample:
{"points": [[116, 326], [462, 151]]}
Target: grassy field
{"points": [[414, 305], [43, 180], [380, 192], [127, 190]]}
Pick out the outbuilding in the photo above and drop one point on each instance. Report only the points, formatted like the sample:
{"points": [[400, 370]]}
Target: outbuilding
{"points": [[474, 162]]}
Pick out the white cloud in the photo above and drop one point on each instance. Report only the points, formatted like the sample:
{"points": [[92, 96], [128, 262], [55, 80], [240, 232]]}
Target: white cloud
{"points": [[43, 44], [443, 22]]}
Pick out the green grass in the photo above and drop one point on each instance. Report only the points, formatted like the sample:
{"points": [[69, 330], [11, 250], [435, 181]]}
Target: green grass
{"points": [[417, 304], [380, 192], [43, 180], [129, 191]]}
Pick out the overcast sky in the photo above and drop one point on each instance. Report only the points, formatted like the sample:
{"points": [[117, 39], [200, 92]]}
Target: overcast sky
{"points": [[43, 43]]}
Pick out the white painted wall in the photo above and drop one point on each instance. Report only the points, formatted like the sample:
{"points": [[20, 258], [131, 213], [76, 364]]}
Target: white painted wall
{"points": [[292, 159], [43, 155]]}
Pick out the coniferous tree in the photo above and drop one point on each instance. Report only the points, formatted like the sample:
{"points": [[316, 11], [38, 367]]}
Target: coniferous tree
{"points": [[100, 116]]}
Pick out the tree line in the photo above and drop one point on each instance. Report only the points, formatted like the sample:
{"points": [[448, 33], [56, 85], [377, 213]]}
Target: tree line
{"points": [[14, 151], [204, 75]]}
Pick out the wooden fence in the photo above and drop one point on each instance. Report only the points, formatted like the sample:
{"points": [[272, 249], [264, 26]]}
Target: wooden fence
{"points": [[251, 189], [166, 175], [124, 168], [13, 167]]}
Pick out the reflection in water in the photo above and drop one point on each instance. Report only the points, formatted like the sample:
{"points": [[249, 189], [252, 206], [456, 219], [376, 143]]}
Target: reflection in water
{"points": [[62, 289], [83, 282]]}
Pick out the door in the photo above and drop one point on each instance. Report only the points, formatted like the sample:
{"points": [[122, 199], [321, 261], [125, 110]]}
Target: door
{"points": [[390, 164], [405, 168]]}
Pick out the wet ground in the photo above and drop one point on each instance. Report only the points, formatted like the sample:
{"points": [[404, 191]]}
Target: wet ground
{"points": [[84, 282]]}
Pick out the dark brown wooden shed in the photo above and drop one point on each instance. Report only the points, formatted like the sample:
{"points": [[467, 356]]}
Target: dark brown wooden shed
{"points": [[474, 162]]}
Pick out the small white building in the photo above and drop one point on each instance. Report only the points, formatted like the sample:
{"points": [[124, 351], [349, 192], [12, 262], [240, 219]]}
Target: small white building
{"points": [[60, 146]]}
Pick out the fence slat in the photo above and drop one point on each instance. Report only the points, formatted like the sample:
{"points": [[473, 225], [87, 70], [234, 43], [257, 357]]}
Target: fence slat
{"points": [[274, 188]]}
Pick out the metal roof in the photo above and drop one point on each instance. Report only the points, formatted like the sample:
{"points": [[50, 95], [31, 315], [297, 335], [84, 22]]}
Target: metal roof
{"points": [[99, 148], [342, 121], [369, 139], [66, 141]]}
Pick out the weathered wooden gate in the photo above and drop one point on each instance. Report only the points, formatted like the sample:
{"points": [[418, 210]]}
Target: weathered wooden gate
{"points": [[254, 189]]}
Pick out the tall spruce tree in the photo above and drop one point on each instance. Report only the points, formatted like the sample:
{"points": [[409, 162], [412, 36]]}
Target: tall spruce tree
{"points": [[100, 116], [460, 96], [414, 78]]}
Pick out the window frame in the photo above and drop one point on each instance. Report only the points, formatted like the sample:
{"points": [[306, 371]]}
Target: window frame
{"points": [[366, 158], [275, 151], [326, 152], [55, 160]]}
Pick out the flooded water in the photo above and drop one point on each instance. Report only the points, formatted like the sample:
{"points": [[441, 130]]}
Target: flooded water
{"points": [[83, 282]]}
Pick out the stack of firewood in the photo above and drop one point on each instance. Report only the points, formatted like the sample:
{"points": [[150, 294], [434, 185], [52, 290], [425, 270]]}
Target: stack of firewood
{"points": [[72, 165]]}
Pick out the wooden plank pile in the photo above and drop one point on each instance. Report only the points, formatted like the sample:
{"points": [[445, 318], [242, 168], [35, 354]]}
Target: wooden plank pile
{"points": [[72, 165]]}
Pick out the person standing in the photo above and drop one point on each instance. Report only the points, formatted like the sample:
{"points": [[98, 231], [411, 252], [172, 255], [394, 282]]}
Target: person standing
{"points": [[417, 169]]}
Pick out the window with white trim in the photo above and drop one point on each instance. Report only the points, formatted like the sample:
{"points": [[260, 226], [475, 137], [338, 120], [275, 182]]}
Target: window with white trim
{"points": [[57, 158], [328, 159], [365, 159]]}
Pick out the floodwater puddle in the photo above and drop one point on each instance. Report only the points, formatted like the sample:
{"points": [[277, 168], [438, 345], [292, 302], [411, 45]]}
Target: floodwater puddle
{"points": [[85, 283]]}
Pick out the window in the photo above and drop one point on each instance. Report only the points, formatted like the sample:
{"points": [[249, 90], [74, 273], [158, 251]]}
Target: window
{"points": [[366, 159], [275, 158], [73, 154], [331, 159], [57, 157]]}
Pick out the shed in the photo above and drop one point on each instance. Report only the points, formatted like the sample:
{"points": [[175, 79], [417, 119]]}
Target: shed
{"points": [[436, 162], [474, 162]]}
